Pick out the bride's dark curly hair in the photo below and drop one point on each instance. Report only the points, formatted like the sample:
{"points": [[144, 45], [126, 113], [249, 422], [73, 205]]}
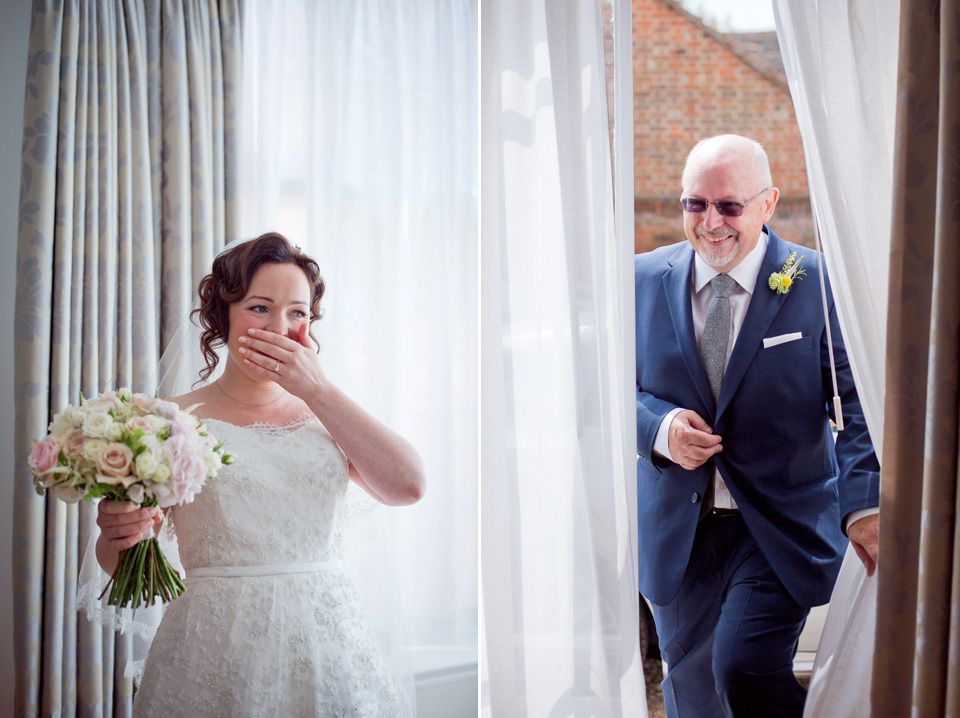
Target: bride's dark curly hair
{"points": [[229, 280]]}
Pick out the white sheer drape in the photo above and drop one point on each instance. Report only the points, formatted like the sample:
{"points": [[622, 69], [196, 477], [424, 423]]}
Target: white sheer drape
{"points": [[558, 568], [359, 144], [841, 65]]}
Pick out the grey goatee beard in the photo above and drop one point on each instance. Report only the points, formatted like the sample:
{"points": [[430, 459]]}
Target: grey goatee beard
{"points": [[717, 257]]}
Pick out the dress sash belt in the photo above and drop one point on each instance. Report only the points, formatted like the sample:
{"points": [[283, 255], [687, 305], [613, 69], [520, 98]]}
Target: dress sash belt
{"points": [[270, 569]]}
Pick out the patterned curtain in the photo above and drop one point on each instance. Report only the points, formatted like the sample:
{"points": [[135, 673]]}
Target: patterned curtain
{"points": [[127, 192], [917, 663]]}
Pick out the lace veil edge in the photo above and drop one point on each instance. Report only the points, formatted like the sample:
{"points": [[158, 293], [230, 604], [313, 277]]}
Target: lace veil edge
{"points": [[140, 623]]}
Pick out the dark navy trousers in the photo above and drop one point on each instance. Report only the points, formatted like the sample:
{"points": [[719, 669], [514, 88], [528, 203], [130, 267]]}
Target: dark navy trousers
{"points": [[730, 635]]}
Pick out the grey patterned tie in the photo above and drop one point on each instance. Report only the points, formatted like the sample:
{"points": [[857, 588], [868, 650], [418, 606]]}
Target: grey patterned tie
{"points": [[716, 332]]}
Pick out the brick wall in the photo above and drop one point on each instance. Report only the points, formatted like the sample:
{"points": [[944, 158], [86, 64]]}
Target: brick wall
{"points": [[691, 82]]}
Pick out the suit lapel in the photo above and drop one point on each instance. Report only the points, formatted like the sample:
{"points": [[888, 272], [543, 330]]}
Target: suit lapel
{"points": [[676, 285], [764, 305]]}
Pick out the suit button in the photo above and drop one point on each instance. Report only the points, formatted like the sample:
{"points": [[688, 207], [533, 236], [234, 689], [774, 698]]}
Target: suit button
{"points": [[694, 498]]}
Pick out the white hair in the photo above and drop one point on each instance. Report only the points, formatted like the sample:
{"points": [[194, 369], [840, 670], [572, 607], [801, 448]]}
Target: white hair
{"points": [[753, 150]]}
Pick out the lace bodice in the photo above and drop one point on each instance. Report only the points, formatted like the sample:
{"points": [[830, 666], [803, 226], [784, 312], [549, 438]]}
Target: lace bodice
{"points": [[265, 642], [277, 504]]}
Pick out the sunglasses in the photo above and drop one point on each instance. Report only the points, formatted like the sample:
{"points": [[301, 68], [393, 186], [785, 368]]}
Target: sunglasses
{"points": [[725, 207]]}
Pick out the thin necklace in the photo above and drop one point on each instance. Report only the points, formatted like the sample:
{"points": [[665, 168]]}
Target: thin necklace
{"points": [[246, 403]]}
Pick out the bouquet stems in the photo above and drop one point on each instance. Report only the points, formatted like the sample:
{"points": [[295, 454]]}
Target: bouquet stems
{"points": [[142, 575]]}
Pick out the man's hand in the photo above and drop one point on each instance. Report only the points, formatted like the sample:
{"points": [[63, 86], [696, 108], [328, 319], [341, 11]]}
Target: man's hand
{"points": [[864, 534], [690, 440]]}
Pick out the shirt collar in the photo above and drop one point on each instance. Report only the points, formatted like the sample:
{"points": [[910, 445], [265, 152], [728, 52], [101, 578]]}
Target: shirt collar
{"points": [[745, 273]]}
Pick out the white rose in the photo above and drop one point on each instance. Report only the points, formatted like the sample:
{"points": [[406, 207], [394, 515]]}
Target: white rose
{"points": [[158, 422], [135, 492], [123, 393], [161, 474], [213, 461], [115, 432], [59, 428], [146, 464], [74, 414], [97, 424], [91, 449]]}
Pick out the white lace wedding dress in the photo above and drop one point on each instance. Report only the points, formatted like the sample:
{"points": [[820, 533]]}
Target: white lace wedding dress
{"points": [[270, 624]]}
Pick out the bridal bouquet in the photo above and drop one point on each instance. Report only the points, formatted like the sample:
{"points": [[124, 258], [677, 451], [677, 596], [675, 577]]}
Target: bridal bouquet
{"points": [[129, 447]]}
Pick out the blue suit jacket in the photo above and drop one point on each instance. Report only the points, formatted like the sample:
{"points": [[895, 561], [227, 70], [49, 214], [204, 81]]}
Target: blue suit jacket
{"points": [[792, 485]]}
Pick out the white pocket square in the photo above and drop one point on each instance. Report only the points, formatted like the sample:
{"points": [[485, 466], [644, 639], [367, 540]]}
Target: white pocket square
{"points": [[782, 339]]}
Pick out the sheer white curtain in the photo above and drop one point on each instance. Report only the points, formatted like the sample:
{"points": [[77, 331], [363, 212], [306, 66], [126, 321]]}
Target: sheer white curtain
{"points": [[841, 64], [558, 565], [360, 143]]}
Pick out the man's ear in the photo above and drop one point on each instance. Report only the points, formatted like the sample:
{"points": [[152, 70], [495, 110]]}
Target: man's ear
{"points": [[770, 203]]}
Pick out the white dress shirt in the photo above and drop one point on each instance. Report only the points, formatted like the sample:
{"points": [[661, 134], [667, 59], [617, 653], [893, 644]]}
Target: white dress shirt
{"points": [[701, 295]]}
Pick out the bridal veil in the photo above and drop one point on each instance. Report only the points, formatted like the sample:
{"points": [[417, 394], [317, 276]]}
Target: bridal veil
{"points": [[368, 555]]}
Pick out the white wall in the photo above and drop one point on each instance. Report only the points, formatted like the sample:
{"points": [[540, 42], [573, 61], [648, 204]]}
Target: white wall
{"points": [[446, 681], [14, 30]]}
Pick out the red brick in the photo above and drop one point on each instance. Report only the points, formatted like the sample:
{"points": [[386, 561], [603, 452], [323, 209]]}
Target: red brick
{"points": [[689, 85]]}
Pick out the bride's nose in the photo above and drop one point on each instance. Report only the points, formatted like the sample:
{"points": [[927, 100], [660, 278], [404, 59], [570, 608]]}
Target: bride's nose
{"points": [[278, 325]]}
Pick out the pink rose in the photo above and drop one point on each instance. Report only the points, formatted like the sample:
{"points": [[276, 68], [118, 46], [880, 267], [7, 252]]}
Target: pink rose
{"points": [[113, 464], [73, 446], [139, 422], [144, 401], [44, 455], [106, 401]]}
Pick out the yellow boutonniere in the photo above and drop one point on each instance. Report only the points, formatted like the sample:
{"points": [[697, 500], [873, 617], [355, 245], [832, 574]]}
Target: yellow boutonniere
{"points": [[781, 281]]}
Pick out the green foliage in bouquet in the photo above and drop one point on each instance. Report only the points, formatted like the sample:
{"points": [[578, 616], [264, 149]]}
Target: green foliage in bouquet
{"points": [[129, 447]]}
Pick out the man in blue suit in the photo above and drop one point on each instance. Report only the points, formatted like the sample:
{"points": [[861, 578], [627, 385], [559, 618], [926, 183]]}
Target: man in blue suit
{"points": [[743, 499]]}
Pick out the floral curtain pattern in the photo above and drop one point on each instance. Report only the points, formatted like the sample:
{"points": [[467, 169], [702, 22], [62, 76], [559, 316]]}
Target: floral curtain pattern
{"points": [[916, 668], [127, 192]]}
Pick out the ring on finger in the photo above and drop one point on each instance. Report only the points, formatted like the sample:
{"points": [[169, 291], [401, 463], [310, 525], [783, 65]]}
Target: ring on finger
{"points": [[277, 367]]}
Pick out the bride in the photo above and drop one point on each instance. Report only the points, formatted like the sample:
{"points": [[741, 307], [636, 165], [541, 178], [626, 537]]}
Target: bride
{"points": [[269, 623]]}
